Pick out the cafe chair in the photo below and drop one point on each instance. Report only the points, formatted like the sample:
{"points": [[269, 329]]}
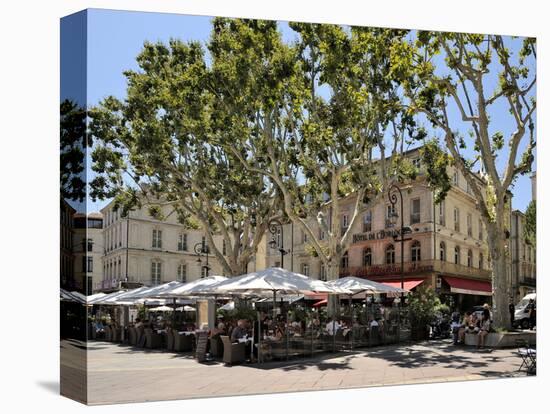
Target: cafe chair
{"points": [[132, 336], [216, 346], [170, 339], [528, 357], [182, 342], [140, 337], [233, 353], [152, 339], [108, 333]]}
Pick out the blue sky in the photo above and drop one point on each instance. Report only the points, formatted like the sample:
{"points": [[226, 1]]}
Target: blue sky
{"points": [[114, 39]]}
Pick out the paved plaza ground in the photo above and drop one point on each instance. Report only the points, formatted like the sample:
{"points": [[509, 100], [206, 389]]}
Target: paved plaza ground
{"points": [[120, 373]]}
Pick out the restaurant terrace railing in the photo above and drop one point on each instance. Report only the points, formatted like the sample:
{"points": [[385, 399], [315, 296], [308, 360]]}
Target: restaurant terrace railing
{"points": [[417, 267]]}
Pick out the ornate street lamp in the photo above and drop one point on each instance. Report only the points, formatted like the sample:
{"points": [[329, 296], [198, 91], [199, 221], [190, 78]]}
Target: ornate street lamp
{"points": [[273, 225], [393, 192], [202, 250]]}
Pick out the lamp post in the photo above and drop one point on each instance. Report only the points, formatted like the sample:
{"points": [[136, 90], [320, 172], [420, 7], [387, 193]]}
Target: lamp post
{"points": [[200, 250], [272, 226], [393, 192]]}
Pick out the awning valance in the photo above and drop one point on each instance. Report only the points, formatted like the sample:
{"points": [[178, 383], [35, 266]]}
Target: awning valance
{"points": [[469, 286], [407, 284]]}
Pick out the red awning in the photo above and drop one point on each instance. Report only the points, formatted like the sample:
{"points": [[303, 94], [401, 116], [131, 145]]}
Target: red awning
{"points": [[407, 284], [321, 302], [468, 286]]}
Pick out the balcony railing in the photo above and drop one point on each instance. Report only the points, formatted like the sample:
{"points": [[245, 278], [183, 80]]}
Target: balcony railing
{"points": [[411, 268]]}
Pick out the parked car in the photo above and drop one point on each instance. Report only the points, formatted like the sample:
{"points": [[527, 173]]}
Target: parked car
{"points": [[521, 316]]}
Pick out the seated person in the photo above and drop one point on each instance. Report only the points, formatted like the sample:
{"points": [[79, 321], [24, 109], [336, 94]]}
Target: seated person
{"points": [[279, 331], [455, 326], [463, 326], [99, 326], [239, 331], [332, 326], [485, 329], [218, 330], [473, 324]]}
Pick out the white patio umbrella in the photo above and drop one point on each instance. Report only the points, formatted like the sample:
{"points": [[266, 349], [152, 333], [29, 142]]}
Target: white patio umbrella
{"points": [[71, 296], [274, 279], [114, 298], [195, 288], [162, 309], [94, 297], [153, 292], [186, 308], [358, 285], [229, 306]]}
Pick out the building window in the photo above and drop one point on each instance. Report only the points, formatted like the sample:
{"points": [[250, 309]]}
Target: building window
{"points": [[390, 212], [455, 178], [304, 237], [323, 273], [182, 242], [89, 244], [182, 273], [345, 222], [415, 211], [367, 221], [457, 219], [415, 251], [480, 230], [321, 235], [469, 224], [470, 258], [224, 248], [84, 264], [468, 188], [442, 213], [204, 245], [367, 257], [119, 268], [156, 268], [457, 255], [157, 239], [390, 254], [204, 272], [345, 261], [442, 252], [305, 269], [278, 237], [481, 261]]}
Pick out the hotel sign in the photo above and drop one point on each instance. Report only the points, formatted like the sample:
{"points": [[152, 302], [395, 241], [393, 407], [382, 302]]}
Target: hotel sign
{"points": [[376, 235]]}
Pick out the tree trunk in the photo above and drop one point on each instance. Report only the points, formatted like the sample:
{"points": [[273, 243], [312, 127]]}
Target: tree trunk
{"points": [[333, 304], [501, 285]]}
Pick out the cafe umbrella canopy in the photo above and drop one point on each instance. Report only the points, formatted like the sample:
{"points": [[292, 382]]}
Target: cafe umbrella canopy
{"points": [[275, 280], [359, 285]]}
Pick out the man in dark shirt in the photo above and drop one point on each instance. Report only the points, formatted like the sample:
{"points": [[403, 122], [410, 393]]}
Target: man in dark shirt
{"points": [[512, 310], [239, 331]]}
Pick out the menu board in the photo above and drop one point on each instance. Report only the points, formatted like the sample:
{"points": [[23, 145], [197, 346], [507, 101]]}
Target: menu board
{"points": [[202, 341]]}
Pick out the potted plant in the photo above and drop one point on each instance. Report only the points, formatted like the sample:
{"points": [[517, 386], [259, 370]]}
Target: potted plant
{"points": [[423, 305]]}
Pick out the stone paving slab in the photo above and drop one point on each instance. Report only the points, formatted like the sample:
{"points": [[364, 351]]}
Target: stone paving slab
{"points": [[119, 373]]}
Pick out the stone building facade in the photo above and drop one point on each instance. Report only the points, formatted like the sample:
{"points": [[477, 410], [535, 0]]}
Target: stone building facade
{"points": [[523, 255], [88, 249], [447, 248], [140, 250]]}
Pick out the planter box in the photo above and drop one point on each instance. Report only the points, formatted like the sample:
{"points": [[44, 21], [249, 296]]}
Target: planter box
{"points": [[502, 339]]}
